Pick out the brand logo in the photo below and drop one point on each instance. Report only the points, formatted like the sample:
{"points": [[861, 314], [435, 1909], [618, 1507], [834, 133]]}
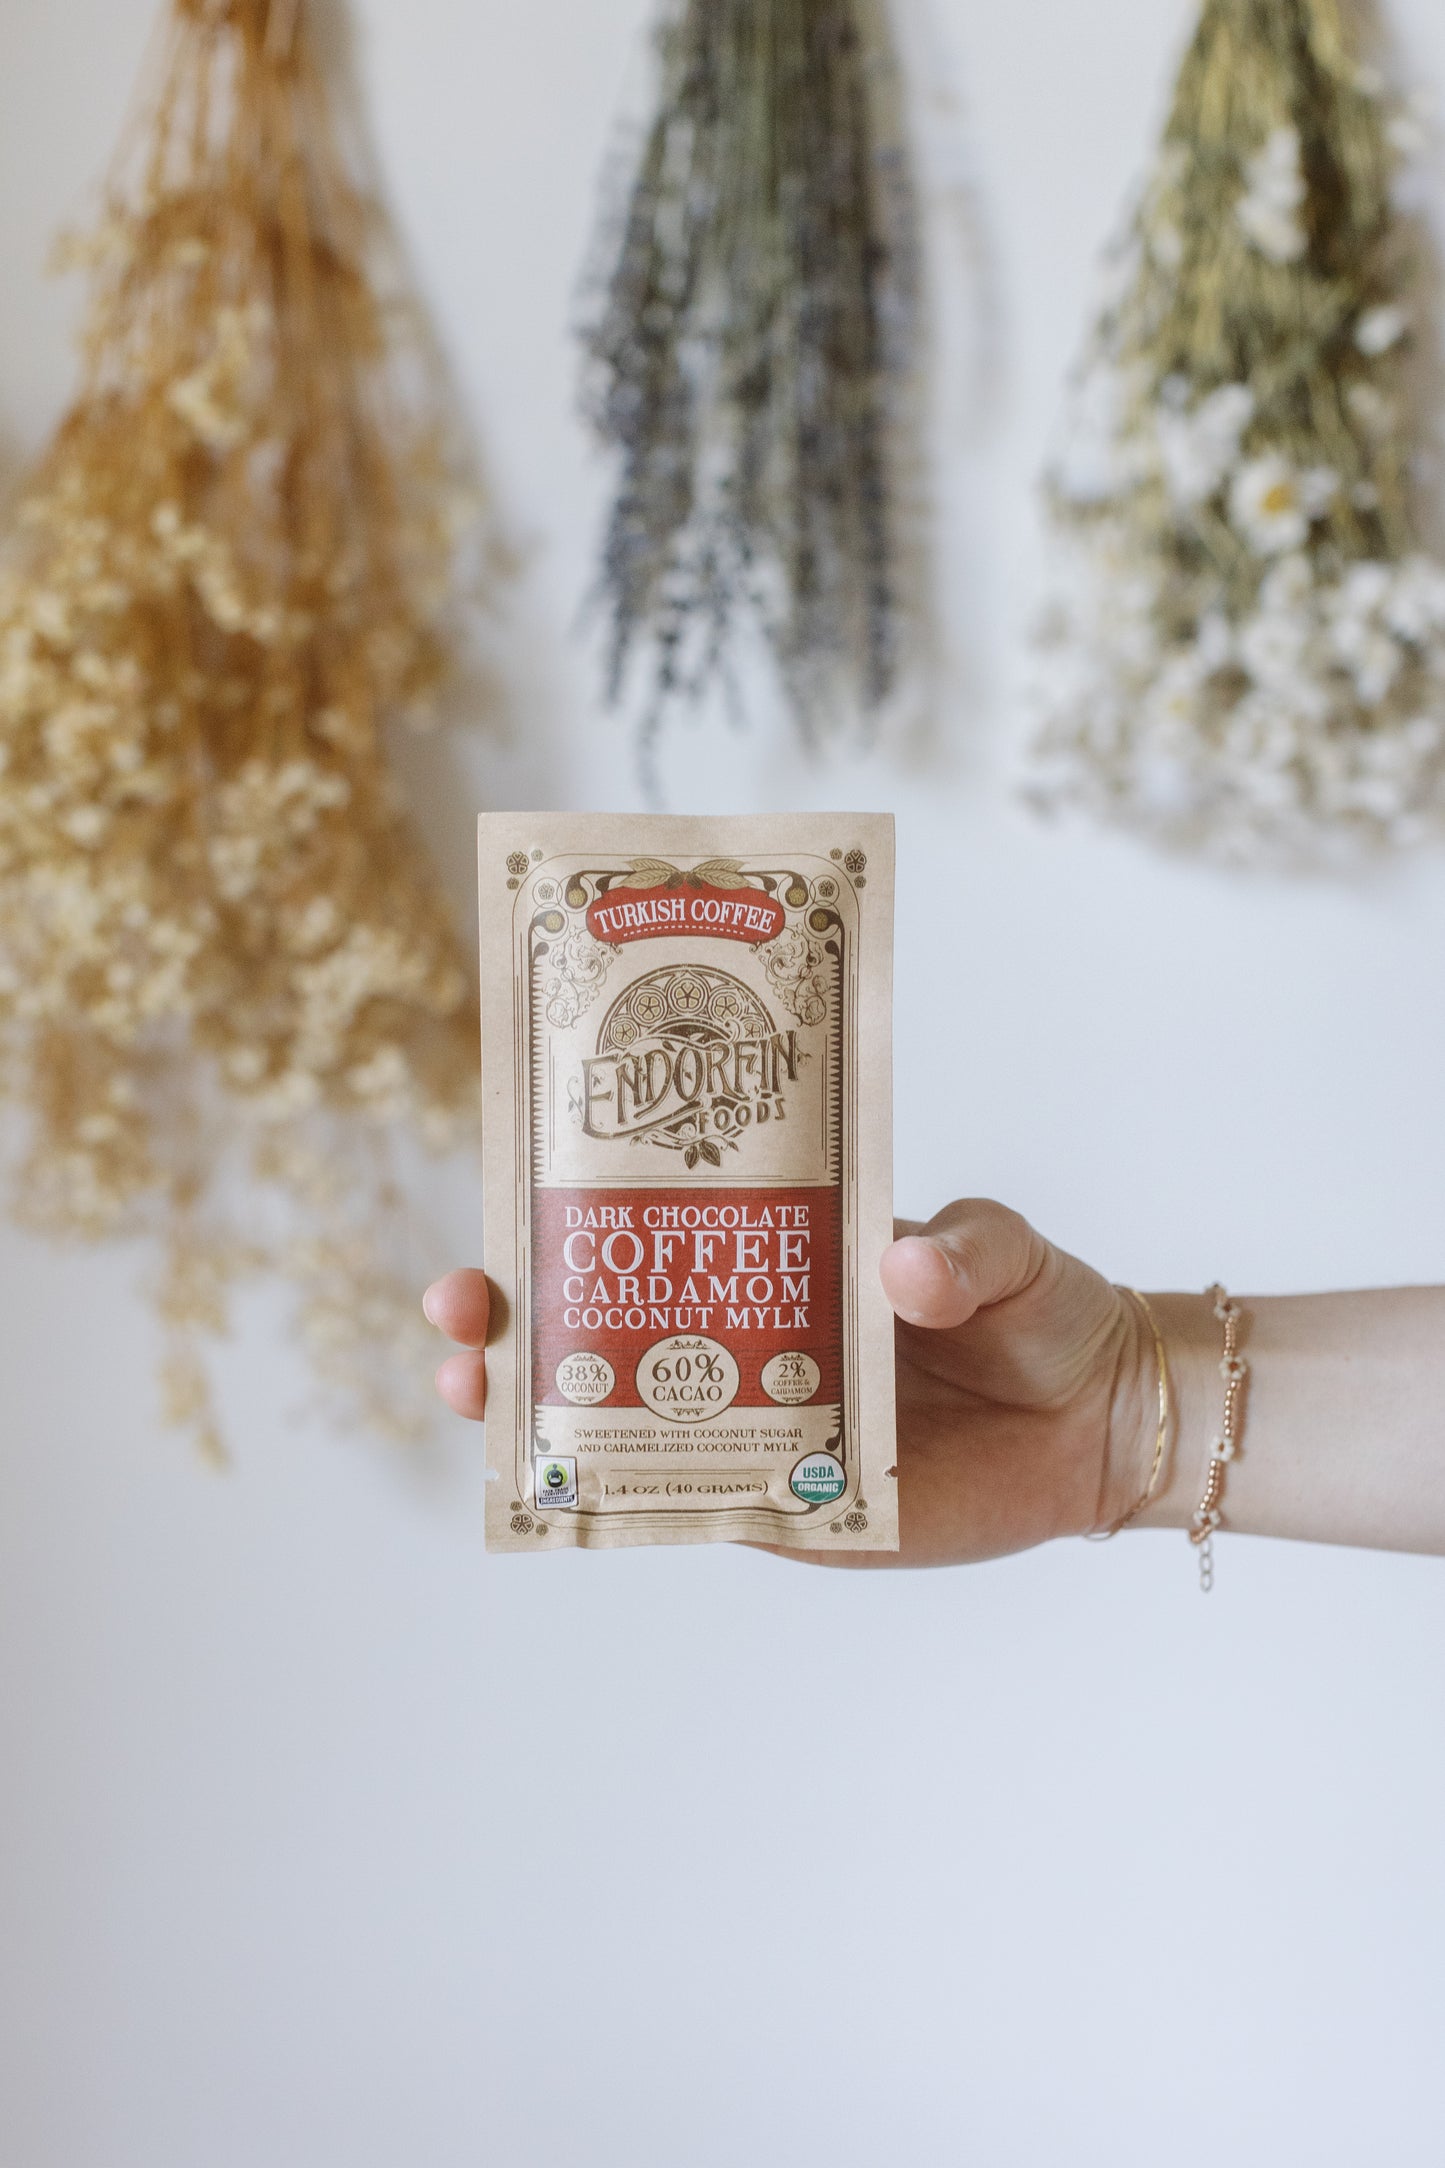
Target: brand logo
{"points": [[688, 1058]]}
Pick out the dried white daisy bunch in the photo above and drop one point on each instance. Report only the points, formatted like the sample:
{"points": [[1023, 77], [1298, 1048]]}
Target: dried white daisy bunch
{"points": [[237, 561], [1247, 648]]}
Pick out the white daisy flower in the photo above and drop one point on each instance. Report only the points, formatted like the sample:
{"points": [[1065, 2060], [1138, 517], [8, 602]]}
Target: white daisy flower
{"points": [[1197, 450], [1269, 209], [1272, 649], [1415, 604], [1318, 488], [1381, 328], [1357, 639], [1273, 503], [1364, 588]]}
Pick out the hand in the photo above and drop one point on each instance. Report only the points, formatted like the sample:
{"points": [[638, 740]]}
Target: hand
{"points": [[1027, 1390], [1026, 1387]]}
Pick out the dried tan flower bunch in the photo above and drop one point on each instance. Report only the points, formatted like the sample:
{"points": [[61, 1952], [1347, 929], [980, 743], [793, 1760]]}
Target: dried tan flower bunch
{"points": [[1251, 650], [236, 562]]}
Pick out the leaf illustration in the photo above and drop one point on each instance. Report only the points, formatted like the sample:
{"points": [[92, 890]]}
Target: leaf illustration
{"points": [[717, 873], [650, 873], [689, 1157], [710, 1153]]}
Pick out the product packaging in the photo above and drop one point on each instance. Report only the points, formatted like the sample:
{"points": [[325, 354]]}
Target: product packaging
{"points": [[687, 1073]]}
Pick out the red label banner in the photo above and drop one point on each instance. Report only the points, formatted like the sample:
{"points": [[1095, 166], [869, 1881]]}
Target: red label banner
{"points": [[641, 914], [614, 1271]]}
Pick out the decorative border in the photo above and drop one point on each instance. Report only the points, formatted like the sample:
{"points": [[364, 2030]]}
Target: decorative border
{"points": [[562, 914]]}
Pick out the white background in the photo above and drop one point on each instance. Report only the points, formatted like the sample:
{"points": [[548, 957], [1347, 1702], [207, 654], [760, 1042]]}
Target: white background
{"points": [[327, 1842]]}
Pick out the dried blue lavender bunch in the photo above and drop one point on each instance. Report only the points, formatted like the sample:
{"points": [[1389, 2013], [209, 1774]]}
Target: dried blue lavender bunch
{"points": [[742, 351]]}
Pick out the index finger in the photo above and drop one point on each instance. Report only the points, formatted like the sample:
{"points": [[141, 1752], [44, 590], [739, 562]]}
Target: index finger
{"points": [[460, 1305]]}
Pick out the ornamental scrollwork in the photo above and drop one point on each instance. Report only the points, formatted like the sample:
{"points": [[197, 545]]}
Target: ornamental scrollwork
{"points": [[797, 969], [577, 966]]}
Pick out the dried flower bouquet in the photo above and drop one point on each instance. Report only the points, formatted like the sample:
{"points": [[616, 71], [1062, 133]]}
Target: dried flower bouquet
{"points": [[741, 353], [1247, 653], [236, 561]]}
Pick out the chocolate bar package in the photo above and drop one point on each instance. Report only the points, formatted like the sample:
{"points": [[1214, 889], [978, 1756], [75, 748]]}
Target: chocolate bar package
{"points": [[687, 1075]]}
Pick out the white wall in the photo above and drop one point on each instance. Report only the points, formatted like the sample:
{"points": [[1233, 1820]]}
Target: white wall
{"points": [[1121, 1876]]}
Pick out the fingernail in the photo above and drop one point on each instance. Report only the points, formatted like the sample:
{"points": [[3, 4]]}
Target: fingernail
{"points": [[905, 1310], [428, 1300], [940, 1250]]}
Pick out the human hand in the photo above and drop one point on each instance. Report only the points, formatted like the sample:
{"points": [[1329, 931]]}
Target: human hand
{"points": [[1027, 1390], [1026, 1387]]}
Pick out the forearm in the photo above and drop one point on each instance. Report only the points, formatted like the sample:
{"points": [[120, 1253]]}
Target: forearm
{"points": [[1343, 1428]]}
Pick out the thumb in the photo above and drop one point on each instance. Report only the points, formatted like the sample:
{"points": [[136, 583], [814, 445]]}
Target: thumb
{"points": [[971, 1254]]}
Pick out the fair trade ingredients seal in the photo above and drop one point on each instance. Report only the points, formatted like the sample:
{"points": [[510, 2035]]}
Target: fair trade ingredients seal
{"points": [[556, 1480]]}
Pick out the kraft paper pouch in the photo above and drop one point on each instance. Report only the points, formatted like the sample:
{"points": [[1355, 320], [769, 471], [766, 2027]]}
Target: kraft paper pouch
{"points": [[687, 1073]]}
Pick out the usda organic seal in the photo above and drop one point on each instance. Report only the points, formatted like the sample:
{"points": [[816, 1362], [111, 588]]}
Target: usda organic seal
{"points": [[818, 1480]]}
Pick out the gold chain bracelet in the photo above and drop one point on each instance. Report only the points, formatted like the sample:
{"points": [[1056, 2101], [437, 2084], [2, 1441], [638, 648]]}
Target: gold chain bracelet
{"points": [[1234, 1370], [1161, 1434]]}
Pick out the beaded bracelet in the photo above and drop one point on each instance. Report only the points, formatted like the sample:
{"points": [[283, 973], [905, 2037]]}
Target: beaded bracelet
{"points": [[1234, 1370]]}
